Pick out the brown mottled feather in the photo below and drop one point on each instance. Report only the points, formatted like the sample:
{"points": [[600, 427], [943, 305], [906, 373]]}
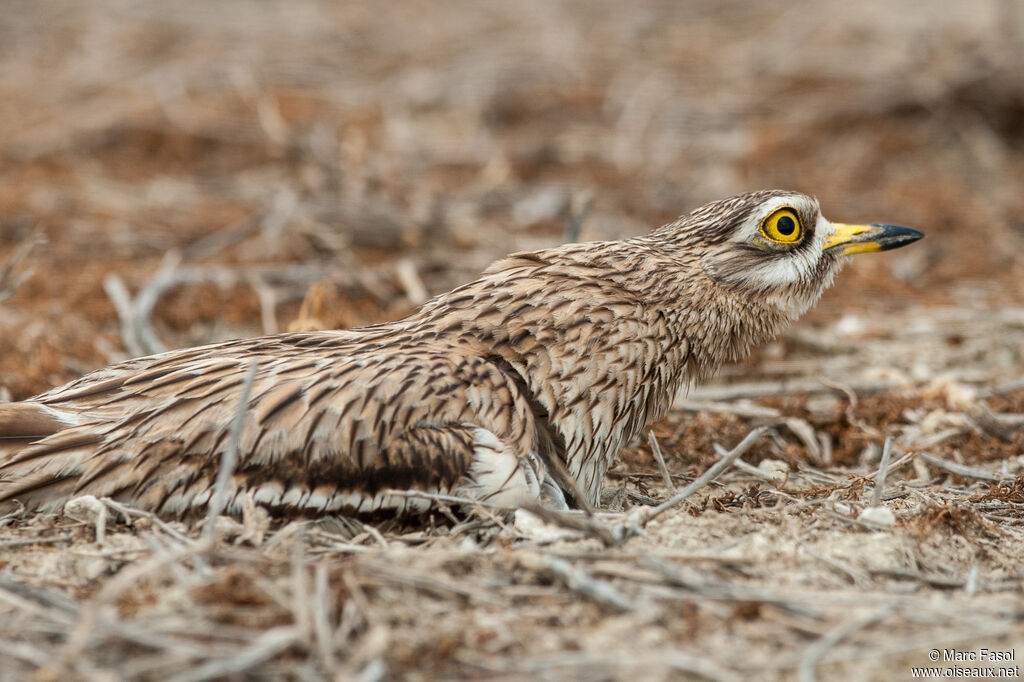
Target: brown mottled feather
{"points": [[523, 384], [28, 421]]}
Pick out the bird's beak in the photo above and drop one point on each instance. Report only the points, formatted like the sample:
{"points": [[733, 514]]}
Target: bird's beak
{"points": [[850, 239]]}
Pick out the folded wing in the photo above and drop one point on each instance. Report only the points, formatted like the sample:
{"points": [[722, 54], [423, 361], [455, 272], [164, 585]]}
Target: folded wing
{"points": [[331, 425]]}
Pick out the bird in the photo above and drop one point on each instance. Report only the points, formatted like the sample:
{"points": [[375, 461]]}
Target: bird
{"points": [[518, 388]]}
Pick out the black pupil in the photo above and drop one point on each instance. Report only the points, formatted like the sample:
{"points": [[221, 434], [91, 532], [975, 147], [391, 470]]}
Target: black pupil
{"points": [[786, 225]]}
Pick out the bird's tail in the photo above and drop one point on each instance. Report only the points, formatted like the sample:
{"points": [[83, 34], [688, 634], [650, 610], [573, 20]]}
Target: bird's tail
{"points": [[21, 425]]}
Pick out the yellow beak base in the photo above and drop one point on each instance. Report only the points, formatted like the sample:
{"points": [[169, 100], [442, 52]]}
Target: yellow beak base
{"points": [[851, 239]]}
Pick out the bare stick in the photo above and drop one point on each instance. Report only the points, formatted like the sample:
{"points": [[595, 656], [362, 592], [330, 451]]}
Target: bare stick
{"points": [[817, 651], [301, 613], [960, 469], [322, 629], [883, 471], [971, 586], [122, 300], [138, 311], [435, 497], [9, 283], [574, 521], [268, 304], [1007, 387], [859, 578], [266, 646], [581, 582], [36, 540], [939, 581], [482, 507], [128, 512], [709, 475], [404, 575], [376, 535], [579, 206], [745, 467], [747, 410], [213, 242], [25, 652], [86, 626], [656, 449], [227, 460], [895, 465], [638, 662], [769, 388], [101, 524], [146, 300], [826, 449], [410, 280], [27, 600]]}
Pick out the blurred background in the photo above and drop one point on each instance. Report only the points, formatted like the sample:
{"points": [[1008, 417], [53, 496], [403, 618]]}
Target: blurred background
{"points": [[173, 174]]}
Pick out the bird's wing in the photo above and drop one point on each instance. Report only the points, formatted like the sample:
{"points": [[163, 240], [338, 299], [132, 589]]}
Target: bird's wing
{"points": [[330, 425]]}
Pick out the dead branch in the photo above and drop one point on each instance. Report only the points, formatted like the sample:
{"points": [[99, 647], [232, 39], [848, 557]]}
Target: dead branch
{"points": [[817, 651], [575, 520], [711, 474], [660, 458], [579, 581], [959, 469], [883, 471], [9, 282], [136, 312], [227, 461]]}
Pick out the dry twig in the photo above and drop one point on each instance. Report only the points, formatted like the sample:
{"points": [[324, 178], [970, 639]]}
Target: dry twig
{"points": [[9, 282], [959, 469], [660, 458], [883, 471], [817, 651], [579, 581], [218, 499], [711, 474]]}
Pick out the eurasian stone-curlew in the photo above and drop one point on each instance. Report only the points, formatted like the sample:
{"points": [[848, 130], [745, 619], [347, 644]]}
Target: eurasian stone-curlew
{"points": [[522, 385]]}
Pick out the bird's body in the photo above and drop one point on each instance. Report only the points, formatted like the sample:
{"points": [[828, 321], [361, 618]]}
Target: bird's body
{"points": [[520, 386]]}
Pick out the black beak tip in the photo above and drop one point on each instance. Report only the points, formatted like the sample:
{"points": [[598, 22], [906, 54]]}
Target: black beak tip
{"points": [[895, 236]]}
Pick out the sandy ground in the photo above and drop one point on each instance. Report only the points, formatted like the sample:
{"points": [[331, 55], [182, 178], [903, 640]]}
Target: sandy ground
{"points": [[172, 177]]}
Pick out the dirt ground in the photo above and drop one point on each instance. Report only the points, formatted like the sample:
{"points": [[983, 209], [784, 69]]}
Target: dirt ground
{"points": [[178, 174]]}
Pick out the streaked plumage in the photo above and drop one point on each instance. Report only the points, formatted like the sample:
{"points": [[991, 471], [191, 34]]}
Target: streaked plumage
{"points": [[544, 367]]}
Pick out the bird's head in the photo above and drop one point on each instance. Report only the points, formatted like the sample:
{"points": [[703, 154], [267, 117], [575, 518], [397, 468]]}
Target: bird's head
{"points": [[775, 246]]}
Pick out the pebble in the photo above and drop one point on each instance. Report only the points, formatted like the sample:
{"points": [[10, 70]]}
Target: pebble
{"points": [[881, 516]]}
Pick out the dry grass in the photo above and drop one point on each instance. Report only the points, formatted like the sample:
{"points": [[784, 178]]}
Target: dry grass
{"points": [[778, 570], [193, 172]]}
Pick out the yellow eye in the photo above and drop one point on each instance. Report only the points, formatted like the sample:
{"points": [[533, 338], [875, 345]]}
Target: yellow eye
{"points": [[782, 227]]}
